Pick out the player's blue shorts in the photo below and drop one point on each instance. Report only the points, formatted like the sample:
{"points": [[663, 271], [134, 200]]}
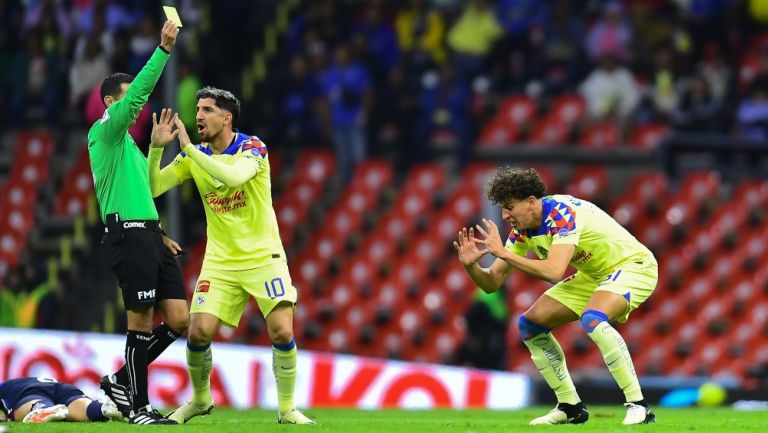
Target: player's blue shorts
{"points": [[50, 394]]}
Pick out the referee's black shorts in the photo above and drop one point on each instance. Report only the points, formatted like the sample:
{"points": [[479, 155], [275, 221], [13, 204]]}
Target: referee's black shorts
{"points": [[146, 270]]}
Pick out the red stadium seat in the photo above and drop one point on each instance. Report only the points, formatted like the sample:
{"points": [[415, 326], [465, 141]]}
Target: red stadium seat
{"points": [[517, 109], [498, 133], [588, 182], [550, 131], [649, 136], [751, 195], [602, 135], [569, 108], [425, 177], [33, 146], [700, 185]]}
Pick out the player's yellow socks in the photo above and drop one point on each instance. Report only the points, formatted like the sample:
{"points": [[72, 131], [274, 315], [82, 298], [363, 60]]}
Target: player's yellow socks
{"points": [[549, 358], [199, 361], [284, 368], [615, 353]]}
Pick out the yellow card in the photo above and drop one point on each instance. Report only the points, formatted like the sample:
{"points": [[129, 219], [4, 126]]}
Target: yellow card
{"points": [[172, 14]]}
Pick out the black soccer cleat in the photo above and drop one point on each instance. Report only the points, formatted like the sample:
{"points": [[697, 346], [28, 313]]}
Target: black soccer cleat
{"points": [[119, 394], [149, 416]]}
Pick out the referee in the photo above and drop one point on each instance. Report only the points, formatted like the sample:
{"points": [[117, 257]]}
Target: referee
{"points": [[137, 250]]}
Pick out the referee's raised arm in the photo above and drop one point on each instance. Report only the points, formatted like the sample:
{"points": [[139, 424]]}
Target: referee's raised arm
{"points": [[124, 104]]}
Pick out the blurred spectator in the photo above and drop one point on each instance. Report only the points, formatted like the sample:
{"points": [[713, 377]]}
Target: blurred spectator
{"points": [[186, 105], [298, 98], [102, 33], [561, 60], [87, 71], [21, 298], [395, 116], [444, 104], [380, 38], [420, 31], [610, 90], [518, 18], [651, 28], [752, 115], [610, 34], [485, 344], [11, 54], [347, 86], [36, 76], [115, 16], [143, 44], [48, 10], [717, 73], [663, 93], [698, 108], [472, 37]]}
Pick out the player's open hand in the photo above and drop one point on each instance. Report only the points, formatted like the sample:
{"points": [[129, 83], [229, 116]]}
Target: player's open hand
{"points": [[168, 35], [163, 129], [184, 139], [491, 237], [172, 246], [469, 254]]}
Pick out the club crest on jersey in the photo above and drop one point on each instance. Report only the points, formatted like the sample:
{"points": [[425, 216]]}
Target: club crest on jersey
{"points": [[256, 146]]}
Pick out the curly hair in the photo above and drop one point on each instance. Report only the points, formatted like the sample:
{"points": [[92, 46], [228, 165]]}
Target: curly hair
{"points": [[515, 183]]}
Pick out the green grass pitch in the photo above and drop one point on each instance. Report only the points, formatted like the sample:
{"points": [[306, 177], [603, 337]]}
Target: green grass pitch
{"points": [[602, 419]]}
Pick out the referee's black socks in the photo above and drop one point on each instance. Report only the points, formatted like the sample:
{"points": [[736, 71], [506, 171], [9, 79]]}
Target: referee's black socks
{"points": [[136, 365], [162, 337]]}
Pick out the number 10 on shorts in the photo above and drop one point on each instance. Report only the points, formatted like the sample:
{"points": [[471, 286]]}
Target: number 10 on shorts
{"points": [[274, 288]]}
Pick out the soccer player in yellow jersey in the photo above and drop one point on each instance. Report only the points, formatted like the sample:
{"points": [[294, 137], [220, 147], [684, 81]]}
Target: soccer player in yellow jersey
{"points": [[244, 256], [615, 274]]}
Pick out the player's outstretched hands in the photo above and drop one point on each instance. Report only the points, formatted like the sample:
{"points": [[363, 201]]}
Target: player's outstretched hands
{"points": [[491, 237], [163, 129], [168, 35], [184, 139], [469, 254]]}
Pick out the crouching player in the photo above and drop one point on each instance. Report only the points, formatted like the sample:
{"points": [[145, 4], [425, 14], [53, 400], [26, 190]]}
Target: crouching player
{"points": [[41, 399]]}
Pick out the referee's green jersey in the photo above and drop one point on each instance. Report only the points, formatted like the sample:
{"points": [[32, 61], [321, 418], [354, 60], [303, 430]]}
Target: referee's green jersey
{"points": [[120, 171]]}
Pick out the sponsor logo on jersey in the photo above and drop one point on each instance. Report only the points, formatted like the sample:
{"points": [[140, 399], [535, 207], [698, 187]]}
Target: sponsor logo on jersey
{"points": [[135, 225], [225, 203], [581, 257], [542, 251]]}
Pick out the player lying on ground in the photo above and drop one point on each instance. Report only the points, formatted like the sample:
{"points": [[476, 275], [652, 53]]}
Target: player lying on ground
{"points": [[615, 274], [244, 256], [41, 399]]}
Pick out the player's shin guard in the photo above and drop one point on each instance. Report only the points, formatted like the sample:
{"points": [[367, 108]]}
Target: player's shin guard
{"points": [[615, 353], [284, 368], [199, 361], [549, 358], [136, 365]]}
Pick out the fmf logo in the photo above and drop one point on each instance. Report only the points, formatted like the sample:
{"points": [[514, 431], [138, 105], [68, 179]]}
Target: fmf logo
{"points": [[149, 294], [203, 286]]}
